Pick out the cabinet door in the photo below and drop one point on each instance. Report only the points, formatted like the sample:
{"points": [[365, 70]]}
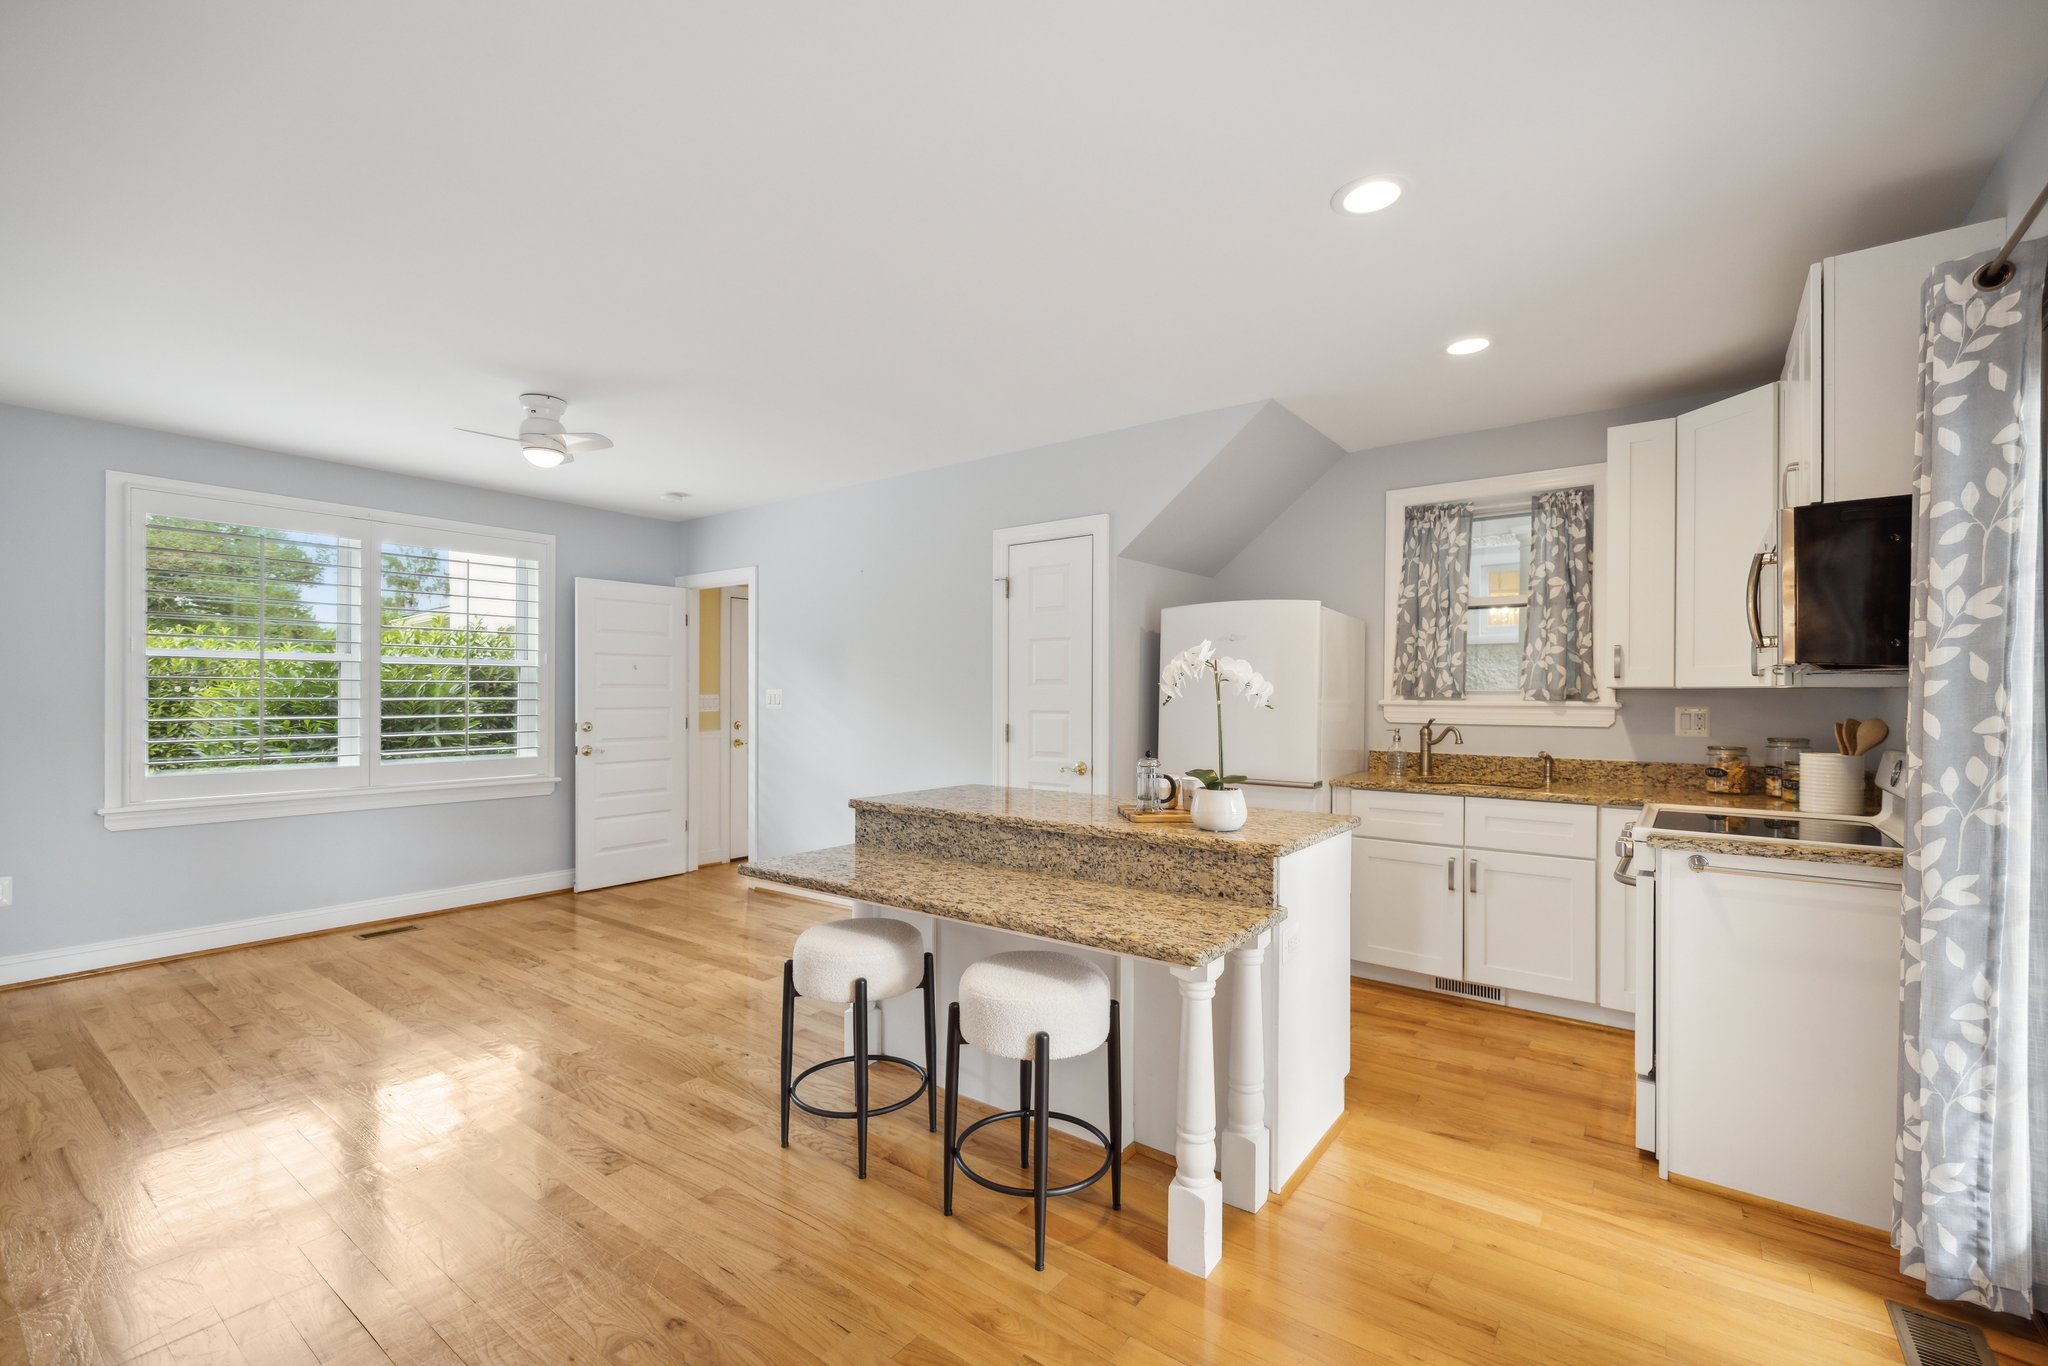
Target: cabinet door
{"points": [[1642, 487], [1617, 917], [1870, 385], [1530, 924], [1727, 512], [1799, 402], [1404, 907]]}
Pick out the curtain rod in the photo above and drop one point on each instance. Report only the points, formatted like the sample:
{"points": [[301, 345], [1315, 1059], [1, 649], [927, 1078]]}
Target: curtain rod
{"points": [[1999, 269]]}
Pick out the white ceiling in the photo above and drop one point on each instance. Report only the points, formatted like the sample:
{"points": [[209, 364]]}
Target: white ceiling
{"points": [[772, 247]]}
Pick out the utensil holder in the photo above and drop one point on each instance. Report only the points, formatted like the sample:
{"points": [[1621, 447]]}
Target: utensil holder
{"points": [[1831, 784]]}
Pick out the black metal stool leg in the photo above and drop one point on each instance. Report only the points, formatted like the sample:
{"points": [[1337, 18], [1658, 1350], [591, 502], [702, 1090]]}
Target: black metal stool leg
{"points": [[952, 1097], [1116, 1109], [1041, 1122], [931, 1044], [1024, 1118], [860, 1068], [788, 1037]]}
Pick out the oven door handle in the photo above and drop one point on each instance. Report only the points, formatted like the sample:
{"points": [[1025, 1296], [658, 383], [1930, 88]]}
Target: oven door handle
{"points": [[1698, 863], [1625, 854]]}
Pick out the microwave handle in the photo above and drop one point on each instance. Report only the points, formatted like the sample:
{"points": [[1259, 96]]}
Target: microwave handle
{"points": [[1757, 639]]}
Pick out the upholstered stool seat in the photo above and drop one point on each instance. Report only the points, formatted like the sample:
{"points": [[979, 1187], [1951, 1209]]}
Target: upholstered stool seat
{"points": [[1008, 1000], [1035, 1007], [831, 957], [857, 962]]}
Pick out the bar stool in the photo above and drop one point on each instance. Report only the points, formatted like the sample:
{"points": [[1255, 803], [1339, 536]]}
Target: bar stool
{"points": [[854, 962], [1035, 1007]]}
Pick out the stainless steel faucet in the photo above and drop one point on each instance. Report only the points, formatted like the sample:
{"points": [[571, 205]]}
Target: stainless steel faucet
{"points": [[1430, 742], [1549, 762]]}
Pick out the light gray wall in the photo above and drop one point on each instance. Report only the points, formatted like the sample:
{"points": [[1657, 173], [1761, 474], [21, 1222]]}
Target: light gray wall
{"points": [[1141, 591], [77, 882], [875, 611], [1329, 545], [2020, 173]]}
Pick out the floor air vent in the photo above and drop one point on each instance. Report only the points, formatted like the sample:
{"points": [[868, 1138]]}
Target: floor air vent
{"points": [[1472, 989], [1930, 1340], [395, 929]]}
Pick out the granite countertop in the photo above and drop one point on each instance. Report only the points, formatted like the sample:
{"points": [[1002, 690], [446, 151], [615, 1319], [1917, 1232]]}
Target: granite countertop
{"points": [[1165, 927], [1795, 850], [1581, 782], [1266, 835]]}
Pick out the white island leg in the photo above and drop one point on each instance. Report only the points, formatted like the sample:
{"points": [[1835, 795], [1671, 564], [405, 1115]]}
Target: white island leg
{"points": [[1194, 1202], [1247, 1166]]}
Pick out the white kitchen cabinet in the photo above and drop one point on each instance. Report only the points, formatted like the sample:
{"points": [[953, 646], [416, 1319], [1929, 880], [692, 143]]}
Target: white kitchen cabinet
{"points": [[1851, 377], [1407, 906], [1418, 817], [1617, 920], [1642, 516], [1518, 826], [1530, 923], [1727, 512]]}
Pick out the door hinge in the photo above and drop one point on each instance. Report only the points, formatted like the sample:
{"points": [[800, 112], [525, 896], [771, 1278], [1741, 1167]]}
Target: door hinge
{"points": [[1006, 732], [1005, 582], [686, 825]]}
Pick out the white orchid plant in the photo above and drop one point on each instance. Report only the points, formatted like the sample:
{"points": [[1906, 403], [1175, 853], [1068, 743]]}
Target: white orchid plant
{"points": [[1235, 674]]}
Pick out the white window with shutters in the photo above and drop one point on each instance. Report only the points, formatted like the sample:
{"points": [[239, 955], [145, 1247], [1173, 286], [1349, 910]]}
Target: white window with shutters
{"points": [[270, 656]]}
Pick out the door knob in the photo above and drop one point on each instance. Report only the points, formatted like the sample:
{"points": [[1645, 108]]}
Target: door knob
{"points": [[583, 725], [586, 751], [739, 744], [1079, 770], [739, 725]]}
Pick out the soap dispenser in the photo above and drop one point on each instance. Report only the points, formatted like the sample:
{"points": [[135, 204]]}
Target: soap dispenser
{"points": [[1397, 758]]}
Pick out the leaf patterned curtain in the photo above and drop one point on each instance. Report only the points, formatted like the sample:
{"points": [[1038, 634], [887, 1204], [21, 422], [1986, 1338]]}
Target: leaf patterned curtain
{"points": [[1557, 637], [1429, 618], [1972, 1176]]}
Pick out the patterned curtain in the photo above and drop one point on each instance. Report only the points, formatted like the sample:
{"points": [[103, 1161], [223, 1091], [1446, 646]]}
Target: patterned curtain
{"points": [[1557, 638], [1972, 1177], [1429, 620]]}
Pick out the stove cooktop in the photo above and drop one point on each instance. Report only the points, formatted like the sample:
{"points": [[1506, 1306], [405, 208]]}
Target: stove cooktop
{"points": [[1743, 825]]}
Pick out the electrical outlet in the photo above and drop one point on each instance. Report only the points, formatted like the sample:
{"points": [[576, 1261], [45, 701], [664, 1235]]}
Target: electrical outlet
{"points": [[772, 699], [1693, 723], [6, 891]]}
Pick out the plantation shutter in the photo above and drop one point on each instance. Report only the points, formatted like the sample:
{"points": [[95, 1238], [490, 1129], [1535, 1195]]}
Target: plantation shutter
{"points": [[459, 651], [252, 657]]}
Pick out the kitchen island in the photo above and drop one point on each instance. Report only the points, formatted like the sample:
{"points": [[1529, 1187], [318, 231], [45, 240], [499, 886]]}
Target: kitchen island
{"points": [[1162, 909]]}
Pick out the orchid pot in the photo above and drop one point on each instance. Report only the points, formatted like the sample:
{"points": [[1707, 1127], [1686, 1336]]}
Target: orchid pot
{"points": [[1219, 804]]}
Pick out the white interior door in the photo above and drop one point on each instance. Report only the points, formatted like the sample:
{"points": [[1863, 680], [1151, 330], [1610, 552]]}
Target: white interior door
{"points": [[738, 692], [1050, 689], [632, 733]]}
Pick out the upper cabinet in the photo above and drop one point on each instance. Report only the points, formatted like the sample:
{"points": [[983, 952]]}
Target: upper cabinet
{"points": [[1642, 497], [1851, 385], [1727, 521]]}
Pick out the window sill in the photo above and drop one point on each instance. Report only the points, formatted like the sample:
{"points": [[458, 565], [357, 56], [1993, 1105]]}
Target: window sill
{"points": [[1467, 712], [210, 810]]}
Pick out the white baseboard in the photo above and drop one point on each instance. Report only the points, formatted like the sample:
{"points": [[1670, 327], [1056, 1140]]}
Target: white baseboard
{"points": [[1582, 1011], [143, 948]]}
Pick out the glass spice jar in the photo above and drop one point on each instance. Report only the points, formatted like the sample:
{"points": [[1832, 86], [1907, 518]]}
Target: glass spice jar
{"points": [[1728, 768], [1780, 756]]}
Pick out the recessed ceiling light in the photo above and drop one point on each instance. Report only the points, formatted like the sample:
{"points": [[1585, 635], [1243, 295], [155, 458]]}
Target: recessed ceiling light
{"points": [[1367, 196], [1468, 346], [675, 495]]}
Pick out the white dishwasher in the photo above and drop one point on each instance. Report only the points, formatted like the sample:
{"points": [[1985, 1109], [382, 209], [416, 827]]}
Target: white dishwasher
{"points": [[1776, 1020]]}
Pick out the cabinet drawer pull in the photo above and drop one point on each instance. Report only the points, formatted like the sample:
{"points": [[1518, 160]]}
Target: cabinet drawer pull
{"points": [[1472, 876], [1451, 873]]}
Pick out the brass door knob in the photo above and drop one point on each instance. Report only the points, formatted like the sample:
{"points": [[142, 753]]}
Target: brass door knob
{"points": [[739, 744], [586, 751], [1079, 770], [583, 725]]}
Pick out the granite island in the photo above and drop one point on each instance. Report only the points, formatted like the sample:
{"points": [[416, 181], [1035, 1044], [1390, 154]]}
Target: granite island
{"points": [[1162, 909]]}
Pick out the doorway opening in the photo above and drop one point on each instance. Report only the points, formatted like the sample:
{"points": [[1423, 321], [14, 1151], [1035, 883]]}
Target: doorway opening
{"points": [[721, 680]]}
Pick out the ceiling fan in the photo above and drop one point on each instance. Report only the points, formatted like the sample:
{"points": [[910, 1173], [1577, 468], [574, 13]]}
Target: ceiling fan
{"points": [[541, 438]]}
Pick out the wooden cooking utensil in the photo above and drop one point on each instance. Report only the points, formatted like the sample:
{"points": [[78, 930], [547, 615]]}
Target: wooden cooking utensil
{"points": [[1870, 734], [1842, 737]]}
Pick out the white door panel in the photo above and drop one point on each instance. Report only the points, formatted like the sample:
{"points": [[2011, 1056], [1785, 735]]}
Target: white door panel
{"points": [[1727, 511], [1530, 923], [632, 787], [739, 728], [1050, 697], [1405, 902]]}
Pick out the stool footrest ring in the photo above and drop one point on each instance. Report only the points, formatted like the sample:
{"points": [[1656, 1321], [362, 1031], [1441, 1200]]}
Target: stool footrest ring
{"points": [[960, 1155], [923, 1082]]}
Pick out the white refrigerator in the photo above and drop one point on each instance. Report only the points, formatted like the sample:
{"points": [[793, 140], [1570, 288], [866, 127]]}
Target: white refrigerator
{"points": [[1315, 730]]}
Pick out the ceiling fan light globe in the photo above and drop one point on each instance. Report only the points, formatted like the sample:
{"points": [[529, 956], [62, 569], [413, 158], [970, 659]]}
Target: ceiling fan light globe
{"points": [[546, 457]]}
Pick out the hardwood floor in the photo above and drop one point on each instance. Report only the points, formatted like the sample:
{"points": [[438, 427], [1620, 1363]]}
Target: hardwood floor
{"points": [[545, 1132]]}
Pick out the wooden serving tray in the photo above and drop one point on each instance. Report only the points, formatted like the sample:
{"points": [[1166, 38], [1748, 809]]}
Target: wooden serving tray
{"points": [[1129, 811]]}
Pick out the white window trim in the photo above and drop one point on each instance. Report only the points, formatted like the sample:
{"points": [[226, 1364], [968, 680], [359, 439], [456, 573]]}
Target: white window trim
{"points": [[1500, 710], [128, 809]]}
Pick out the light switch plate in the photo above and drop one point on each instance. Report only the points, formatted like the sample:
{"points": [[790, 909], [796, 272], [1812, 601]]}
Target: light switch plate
{"points": [[772, 699], [1694, 723]]}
